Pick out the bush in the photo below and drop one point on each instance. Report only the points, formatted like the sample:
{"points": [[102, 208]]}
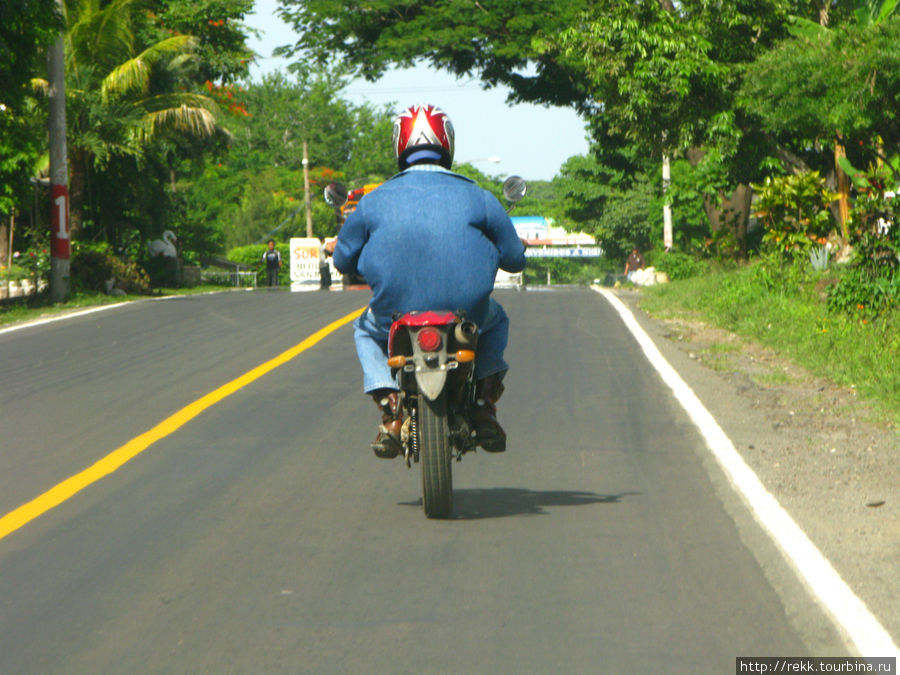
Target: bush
{"points": [[93, 264], [875, 221], [872, 285], [794, 211], [861, 293], [680, 265]]}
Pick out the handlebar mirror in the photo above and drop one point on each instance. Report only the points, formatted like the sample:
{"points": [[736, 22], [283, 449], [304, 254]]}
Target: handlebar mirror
{"points": [[514, 188], [336, 195]]}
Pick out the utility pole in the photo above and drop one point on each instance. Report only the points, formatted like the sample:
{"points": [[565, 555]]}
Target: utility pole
{"points": [[309, 227], [59, 175]]}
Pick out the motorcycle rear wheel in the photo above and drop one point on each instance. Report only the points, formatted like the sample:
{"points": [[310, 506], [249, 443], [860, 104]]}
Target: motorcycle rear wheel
{"points": [[435, 453]]}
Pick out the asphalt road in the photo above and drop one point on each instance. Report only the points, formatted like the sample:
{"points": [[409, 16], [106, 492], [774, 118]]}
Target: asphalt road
{"points": [[264, 536]]}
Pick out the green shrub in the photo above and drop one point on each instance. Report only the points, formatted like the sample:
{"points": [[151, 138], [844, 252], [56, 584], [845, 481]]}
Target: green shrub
{"points": [[95, 263], [872, 284], [794, 211], [680, 265], [864, 294], [875, 220], [15, 273], [37, 261]]}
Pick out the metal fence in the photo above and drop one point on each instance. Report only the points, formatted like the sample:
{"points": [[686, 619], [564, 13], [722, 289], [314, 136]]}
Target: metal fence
{"points": [[240, 279]]}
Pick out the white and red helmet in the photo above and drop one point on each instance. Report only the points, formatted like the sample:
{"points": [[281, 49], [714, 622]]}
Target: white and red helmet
{"points": [[423, 132]]}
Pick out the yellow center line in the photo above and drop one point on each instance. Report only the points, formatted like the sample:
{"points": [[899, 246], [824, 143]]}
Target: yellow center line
{"points": [[56, 495]]}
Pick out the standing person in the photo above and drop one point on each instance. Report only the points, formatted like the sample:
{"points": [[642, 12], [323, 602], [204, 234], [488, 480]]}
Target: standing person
{"points": [[272, 258], [429, 238], [324, 269], [634, 263]]}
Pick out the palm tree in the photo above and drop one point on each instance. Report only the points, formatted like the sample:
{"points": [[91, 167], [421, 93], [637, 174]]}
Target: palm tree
{"points": [[120, 99]]}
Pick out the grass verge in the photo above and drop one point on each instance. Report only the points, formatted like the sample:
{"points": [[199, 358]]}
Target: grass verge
{"points": [[789, 314]]}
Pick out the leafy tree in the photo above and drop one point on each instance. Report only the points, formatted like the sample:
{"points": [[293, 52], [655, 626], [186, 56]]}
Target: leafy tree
{"points": [[256, 183], [655, 74], [837, 83], [285, 111], [665, 78], [121, 97], [218, 27], [26, 28], [493, 39], [834, 59]]}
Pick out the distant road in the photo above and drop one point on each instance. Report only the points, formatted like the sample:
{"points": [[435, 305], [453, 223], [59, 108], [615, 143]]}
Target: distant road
{"points": [[264, 536]]}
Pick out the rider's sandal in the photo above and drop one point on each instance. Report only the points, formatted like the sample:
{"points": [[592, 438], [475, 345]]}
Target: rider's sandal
{"points": [[387, 444]]}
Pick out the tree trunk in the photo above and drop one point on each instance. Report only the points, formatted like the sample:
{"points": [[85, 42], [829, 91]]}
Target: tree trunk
{"points": [[4, 244], [731, 211], [823, 6], [841, 179]]}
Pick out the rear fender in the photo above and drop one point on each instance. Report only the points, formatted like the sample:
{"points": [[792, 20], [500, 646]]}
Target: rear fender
{"points": [[430, 368], [416, 320], [431, 374]]}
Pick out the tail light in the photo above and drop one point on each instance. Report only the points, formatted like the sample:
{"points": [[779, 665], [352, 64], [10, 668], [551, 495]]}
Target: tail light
{"points": [[429, 339]]}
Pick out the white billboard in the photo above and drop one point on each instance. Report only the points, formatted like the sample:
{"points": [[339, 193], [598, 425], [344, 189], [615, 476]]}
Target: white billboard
{"points": [[305, 265]]}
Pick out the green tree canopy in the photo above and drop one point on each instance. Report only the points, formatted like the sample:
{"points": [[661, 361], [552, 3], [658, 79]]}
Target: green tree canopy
{"points": [[217, 26], [26, 28], [836, 83], [123, 95], [658, 75], [493, 39], [256, 182]]}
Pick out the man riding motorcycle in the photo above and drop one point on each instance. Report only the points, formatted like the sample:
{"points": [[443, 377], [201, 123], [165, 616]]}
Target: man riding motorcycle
{"points": [[429, 239]]}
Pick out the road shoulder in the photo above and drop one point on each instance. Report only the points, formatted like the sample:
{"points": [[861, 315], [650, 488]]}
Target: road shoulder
{"points": [[810, 443]]}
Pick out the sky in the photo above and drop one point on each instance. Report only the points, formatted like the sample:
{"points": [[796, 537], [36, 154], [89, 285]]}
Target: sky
{"points": [[530, 141]]}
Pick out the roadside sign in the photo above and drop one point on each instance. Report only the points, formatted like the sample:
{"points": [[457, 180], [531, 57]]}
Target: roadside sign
{"points": [[305, 264], [565, 252]]}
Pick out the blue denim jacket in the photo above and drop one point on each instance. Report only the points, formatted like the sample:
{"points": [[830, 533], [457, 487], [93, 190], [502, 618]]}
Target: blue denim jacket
{"points": [[429, 239]]}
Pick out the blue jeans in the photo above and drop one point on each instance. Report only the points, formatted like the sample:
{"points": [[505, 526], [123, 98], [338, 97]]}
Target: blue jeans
{"points": [[371, 348]]}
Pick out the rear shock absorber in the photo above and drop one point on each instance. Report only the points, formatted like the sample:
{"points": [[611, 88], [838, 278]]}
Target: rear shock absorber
{"points": [[413, 435]]}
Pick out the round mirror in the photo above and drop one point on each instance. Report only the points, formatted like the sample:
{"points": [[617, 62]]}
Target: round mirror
{"points": [[336, 195], [514, 188]]}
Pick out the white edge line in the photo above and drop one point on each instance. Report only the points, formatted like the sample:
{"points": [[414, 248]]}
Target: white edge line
{"points": [[848, 612], [103, 308], [52, 319]]}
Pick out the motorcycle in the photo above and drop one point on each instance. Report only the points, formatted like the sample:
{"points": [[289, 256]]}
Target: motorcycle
{"points": [[432, 356]]}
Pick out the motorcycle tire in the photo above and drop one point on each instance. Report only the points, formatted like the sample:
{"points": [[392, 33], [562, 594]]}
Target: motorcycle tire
{"points": [[435, 454]]}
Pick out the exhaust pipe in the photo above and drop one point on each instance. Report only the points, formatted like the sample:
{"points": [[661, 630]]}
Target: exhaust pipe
{"points": [[466, 334]]}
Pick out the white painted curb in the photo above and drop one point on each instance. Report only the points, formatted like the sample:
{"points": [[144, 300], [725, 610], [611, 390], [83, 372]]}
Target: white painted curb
{"points": [[848, 612]]}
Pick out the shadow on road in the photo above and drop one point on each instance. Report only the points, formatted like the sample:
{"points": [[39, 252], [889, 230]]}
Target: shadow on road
{"points": [[502, 502]]}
